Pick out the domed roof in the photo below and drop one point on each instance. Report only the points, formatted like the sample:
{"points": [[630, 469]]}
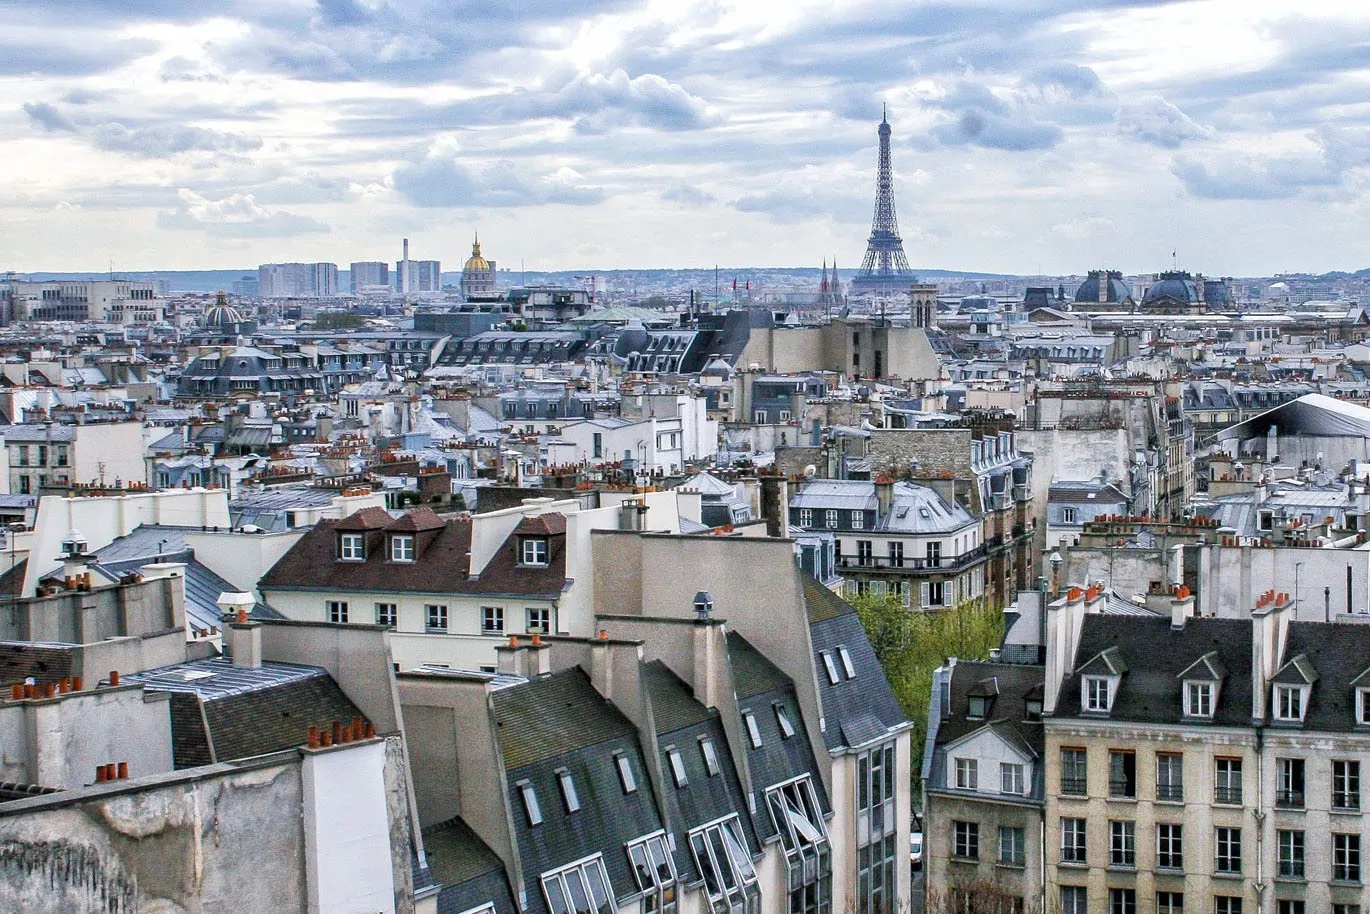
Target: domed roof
{"points": [[476, 263], [222, 314], [1178, 286], [1110, 283], [632, 338]]}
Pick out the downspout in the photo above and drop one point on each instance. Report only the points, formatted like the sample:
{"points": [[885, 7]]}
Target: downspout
{"points": [[1259, 814]]}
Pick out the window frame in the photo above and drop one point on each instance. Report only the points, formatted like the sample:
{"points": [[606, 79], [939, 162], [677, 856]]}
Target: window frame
{"points": [[352, 547], [580, 869], [1198, 698], [534, 552], [627, 779], [1291, 853], [753, 729], [1013, 775], [1346, 857], [401, 548], [1096, 694], [492, 620], [1122, 844], [1346, 785], [434, 613], [1074, 841], [337, 611], [570, 797], [967, 773], [1170, 846], [1227, 849], [1289, 702], [965, 840], [1014, 851], [389, 618]]}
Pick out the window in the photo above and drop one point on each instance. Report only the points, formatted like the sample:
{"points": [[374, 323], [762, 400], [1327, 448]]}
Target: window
{"points": [[863, 552], [935, 593], [625, 773], [710, 754], [1198, 699], [799, 821], [1345, 785], [753, 730], [1289, 906], [568, 790], [966, 840], [1011, 778], [858, 520], [1073, 841], [387, 614], [831, 666], [677, 767], [1227, 904], [1169, 776], [352, 547], [1122, 773], [721, 856], [1363, 707], [1289, 703], [1122, 901], [530, 802], [1012, 846], [654, 872], [492, 620], [597, 445], [1289, 783], [1170, 903], [896, 553], [1227, 781], [847, 666], [806, 517], [435, 617], [539, 621], [1096, 694], [401, 548], [782, 720], [830, 519], [933, 552], [1122, 843], [1289, 854], [337, 611], [1032, 709], [1345, 909], [1227, 850], [582, 888], [1074, 899], [1074, 781], [1346, 858], [533, 551], [1170, 846], [967, 774], [876, 823], [977, 708]]}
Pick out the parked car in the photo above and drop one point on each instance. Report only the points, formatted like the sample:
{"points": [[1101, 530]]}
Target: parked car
{"points": [[916, 850]]}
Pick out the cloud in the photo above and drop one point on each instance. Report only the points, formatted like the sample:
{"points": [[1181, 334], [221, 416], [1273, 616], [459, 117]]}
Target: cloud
{"points": [[1338, 152], [440, 180], [1073, 79], [1155, 121], [979, 117], [48, 117], [162, 141], [236, 216], [800, 198], [1080, 229], [604, 101], [687, 195]]}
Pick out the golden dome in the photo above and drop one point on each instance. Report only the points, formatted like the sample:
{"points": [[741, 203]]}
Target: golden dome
{"points": [[477, 263]]}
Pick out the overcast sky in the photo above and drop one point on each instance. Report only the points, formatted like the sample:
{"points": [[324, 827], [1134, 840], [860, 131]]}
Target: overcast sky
{"points": [[1029, 135]]}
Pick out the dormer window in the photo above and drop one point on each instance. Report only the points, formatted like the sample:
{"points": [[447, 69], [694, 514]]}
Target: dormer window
{"points": [[352, 547], [1098, 695], [979, 707], [1290, 701], [1363, 707], [1198, 699], [533, 551], [1033, 709], [402, 548]]}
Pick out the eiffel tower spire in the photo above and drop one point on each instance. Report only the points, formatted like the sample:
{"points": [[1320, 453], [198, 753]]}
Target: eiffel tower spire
{"points": [[885, 269]]}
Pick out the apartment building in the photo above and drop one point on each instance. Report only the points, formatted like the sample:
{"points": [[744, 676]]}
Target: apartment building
{"points": [[57, 455], [897, 538], [1205, 764]]}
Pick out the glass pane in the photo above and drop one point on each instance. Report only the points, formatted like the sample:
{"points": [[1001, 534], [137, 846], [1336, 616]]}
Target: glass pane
{"points": [[580, 896], [599, 889], [722, 856], [780, 818], [705, 864], [732, 834], [642, 870], [556, 898], [661, 858]]}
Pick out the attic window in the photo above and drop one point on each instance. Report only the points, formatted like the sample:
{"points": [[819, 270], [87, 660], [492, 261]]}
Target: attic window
{"points": [[625, 773], [847, 666], [352, 547], [783, 720], [1033, 709], [830, 666], [530, 802], [1098, 694], [753, 730], [710, 753], [533, 551], [401, 547], [677, 767], [568, 790], [979, 707], [1198, 699], [1290, 701], [1363, 707]]}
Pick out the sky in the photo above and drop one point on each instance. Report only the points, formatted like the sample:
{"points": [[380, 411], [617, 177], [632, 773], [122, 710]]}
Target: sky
{"points": [[1229, 137]]}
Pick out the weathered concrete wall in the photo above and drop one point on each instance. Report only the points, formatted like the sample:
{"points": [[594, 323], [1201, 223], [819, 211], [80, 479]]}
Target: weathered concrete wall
{"points": [[220, 839], [1126, 571]]}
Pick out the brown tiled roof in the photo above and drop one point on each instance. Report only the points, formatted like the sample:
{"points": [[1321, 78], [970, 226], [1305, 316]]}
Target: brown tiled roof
{"points": [[365, 519], [441, 564], [550, 524], [44, 662], [415, 520]]}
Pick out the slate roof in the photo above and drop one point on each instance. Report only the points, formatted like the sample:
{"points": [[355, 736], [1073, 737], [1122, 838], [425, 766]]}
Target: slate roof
{"points": [[673, 703], [1155, 655], [244, 712], [857, 710], [1340, 654], [45, 662], [203, 587], [469, 872], [546, 717], [753, 672]]}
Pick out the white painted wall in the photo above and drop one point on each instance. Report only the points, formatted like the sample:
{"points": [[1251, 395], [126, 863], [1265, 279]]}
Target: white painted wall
{"points": [[347, 831], [989, 751]]}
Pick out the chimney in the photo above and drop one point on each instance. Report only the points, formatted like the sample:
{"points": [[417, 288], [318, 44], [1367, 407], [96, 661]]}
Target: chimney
{"points": [[1181, 606], [884, 496], [703, 606], [539, 658], [245, 642], [632, 514], [511, 659], [601, 665]]}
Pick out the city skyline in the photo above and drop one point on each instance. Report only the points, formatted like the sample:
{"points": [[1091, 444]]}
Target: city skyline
{"points": [[641, 135]]}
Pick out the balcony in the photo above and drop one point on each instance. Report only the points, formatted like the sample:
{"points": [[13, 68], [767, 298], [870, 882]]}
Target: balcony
{"points": [[1170, 792], [1231, 796], [885, 563], [1289, 799], [1075, 787]]}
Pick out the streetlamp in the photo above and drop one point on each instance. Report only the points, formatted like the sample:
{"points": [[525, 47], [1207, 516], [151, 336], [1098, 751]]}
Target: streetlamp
{"points": [[1056, 562]]}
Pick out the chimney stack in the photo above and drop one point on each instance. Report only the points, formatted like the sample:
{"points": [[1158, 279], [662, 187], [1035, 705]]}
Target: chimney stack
{"points": [[1181, 606], [245, 643], [884, 495], [632, 514]]}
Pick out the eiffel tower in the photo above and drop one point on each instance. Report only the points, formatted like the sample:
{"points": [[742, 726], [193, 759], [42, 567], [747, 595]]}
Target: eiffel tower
{"points": [[885, 269]]}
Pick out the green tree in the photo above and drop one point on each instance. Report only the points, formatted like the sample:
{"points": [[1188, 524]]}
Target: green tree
{"points": [[910, 645]]}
